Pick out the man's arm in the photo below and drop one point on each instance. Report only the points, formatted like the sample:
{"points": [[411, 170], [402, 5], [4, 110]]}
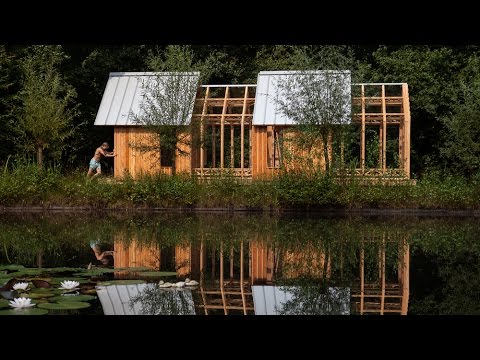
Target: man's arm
{"points": [[110, 154]]}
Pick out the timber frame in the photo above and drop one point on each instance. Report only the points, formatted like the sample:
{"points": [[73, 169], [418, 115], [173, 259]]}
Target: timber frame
{"points": [[231, 144]]}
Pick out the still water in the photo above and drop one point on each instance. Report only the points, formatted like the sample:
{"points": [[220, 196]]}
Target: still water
{"points": [[249, 263]]}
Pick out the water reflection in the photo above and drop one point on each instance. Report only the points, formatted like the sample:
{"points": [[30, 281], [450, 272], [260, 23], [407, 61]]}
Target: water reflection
{"points": [[266, 277], [256, 264]]}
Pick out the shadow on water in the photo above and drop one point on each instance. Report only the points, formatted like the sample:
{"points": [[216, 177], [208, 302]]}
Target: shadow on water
{"points": [[255, 263]]}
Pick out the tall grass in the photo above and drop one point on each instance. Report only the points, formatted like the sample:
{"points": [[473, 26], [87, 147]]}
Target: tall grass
{"points": [[22, 183]]}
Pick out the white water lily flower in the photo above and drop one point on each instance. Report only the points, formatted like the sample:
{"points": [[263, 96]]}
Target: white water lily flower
{"points": [[69, 285], [20, 286], [20, 303]]}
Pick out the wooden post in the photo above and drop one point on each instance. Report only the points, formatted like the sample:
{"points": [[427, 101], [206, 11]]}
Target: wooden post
{"points": [[362, 137], [232, 146], [202, 275], [405, 277], [222, 130], [241, 280], [221, 280], [382, 300], [406, 132], [231, 263], [362, 277], [242, 130], [384, 126], [214, 145], [202, 129]]}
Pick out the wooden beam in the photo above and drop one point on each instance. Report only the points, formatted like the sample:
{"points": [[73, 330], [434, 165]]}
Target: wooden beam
{"points": [[384, 131], [242, 129], [202, 129], [406, 111], [362, 276], [221, 280], [362, 136], [202, 276], [241, 280], [232, 146], [222, 129], [405, 277], [214, 146], [382, 299]]}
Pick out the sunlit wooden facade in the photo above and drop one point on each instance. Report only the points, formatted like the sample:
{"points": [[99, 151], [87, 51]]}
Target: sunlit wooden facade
{"points": [[227, 271], [228, 142]]}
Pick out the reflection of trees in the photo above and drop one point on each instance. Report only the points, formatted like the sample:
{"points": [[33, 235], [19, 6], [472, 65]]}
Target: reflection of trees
{"points": [[315, 300], [158, 301]]}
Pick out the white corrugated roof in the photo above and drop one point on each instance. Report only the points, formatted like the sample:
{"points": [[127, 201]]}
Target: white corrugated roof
{"points": [[116, 300], [124, 94], [267, 94], [271, 300]]}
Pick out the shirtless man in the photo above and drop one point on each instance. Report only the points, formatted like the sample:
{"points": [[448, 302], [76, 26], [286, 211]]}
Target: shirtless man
{"points": [[95, 162]]}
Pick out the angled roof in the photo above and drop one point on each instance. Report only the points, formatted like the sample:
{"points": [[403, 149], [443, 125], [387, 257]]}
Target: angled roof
{"points": [[276, 300], [119, 300], [268, 94], [125, 93]]}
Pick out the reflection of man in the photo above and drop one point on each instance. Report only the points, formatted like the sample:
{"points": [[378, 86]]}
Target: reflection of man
{"points": [[105, 257]]}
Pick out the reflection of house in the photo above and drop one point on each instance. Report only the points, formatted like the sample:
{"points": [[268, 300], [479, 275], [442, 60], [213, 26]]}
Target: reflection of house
{"points": [[145, 299], [227, 272], [242, 131], [380, 296]]}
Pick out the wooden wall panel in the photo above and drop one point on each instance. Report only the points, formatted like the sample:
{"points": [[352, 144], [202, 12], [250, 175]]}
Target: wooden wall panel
{"points": [[121, 161], [262, 265]]}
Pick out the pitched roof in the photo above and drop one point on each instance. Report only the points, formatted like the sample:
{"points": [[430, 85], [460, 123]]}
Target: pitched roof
{"points": [[125, 93]]}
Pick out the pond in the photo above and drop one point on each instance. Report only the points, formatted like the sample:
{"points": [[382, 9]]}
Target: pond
{"points": [[248, 263]]}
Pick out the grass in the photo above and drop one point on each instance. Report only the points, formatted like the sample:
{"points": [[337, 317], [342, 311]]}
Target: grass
{"points": [[24, 184]]}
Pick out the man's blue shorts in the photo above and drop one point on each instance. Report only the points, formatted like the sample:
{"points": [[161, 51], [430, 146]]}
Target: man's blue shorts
{"points": [[94, 164]]}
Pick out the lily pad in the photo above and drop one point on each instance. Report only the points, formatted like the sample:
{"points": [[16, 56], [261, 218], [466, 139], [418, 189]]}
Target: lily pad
{"points": [[121, 282], [54, 291], [80, 297], [92, 272], [39, 283], [63, 269], [29, 311], [65, 305], [4, 304], [11, 267], [132, 269], [36, 295], [157, 273]]}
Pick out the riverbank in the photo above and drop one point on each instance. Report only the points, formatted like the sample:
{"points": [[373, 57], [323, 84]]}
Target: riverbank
{"points": [[29, 189]]}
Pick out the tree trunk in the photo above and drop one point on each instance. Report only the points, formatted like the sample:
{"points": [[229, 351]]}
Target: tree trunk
{"points": [[40, 259], [40, 156]]}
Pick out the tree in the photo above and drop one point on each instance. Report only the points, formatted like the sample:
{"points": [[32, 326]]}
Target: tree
{"points": [[317, 102], [167, 104], [47, 102], [8, 126]]}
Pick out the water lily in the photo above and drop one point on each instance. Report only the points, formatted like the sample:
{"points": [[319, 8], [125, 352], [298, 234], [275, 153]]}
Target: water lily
{"points": [[20, 303], [20, 286], [69, 285]]}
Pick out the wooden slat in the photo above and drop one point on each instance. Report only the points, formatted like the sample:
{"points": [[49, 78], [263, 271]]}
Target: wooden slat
{"points": [[362, 136], [362, 277], [202, 129], [384, 130], [222, 130], [242, 129]]}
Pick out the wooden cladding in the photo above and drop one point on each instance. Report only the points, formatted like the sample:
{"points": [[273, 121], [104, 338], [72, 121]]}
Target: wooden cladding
{"points": [[134, 161], [227, 142]]}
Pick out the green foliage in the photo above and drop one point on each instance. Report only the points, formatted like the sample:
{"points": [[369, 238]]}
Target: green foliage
{"points": [[47, 110]]}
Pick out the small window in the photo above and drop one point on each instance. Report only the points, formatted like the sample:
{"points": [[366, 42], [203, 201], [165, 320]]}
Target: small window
{"points": [[166, 158], [274, 142]]}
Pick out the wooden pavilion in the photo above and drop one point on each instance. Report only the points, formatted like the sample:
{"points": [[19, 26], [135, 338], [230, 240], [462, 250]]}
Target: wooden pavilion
{"points": [[240, 130]]}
